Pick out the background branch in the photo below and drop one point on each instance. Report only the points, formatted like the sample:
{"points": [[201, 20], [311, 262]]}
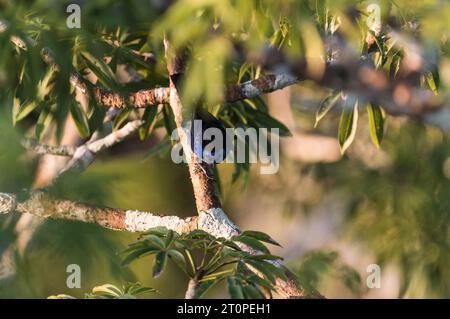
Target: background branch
{"points": [[85, 154], [43, 149]]}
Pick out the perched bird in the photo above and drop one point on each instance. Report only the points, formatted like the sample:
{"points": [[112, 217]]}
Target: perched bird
{"points": [[209, 146]]}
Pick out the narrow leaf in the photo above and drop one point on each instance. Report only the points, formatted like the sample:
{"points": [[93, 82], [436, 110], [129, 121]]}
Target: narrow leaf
{"points": [[148, 118], [347, 126], [43, 123], [178, 258], [376, 123], [253, 243], [260, 236], [433, 79], [80, 119], [251, 292], [160, 263], [325, 106], [234, 289], [25, 109], [121, 117]]}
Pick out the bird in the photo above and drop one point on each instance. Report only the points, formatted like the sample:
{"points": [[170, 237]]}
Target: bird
{"points": [[202, 120]]}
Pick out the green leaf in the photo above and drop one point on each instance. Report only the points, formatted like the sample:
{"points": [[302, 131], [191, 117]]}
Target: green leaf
{"points": [[253, 243], [80, 119], [148, 118], [218, 275], [43, 123], [263, 269], [243, 70], [107, 290], [159, 231], [137, 253], [251, 292], [178, 258], [376, 123], [24, 109], [170, 237], [121, 117], [326, 105], [126, 54], [351, 278], [203, 288], [45, 85], [256, 280], [260, 236], [233, 245], [168, 118], [139, 290], [347, 126], [433, 79], [265, 257], [103, 72], [160, 263], [234, 289], [155, 240], [395, 65]]}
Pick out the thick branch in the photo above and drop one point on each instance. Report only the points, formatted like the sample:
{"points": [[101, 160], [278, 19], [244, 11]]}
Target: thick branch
{"points": [[140, 99], [215, 222], [233, 92], [202, 176], [40, 204]]}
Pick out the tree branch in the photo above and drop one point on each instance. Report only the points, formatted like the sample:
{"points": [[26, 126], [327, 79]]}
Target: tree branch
{"points": [[140, 99], [259, 86], [84, 155], [40, 204], [161, 95], [214, 222], [212, 218], [192, 291], [43, 149]]}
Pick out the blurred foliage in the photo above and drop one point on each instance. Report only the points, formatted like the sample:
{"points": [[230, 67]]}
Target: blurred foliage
{"points": [[394, 204], [401, 211], [317, 265]]}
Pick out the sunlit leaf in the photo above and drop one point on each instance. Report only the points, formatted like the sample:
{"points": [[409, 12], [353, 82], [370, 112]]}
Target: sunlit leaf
{"points": [[376, 123], [25, 109], [325, 106], [121, 117], [347, 126], [148, 118], [433, 79]]}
